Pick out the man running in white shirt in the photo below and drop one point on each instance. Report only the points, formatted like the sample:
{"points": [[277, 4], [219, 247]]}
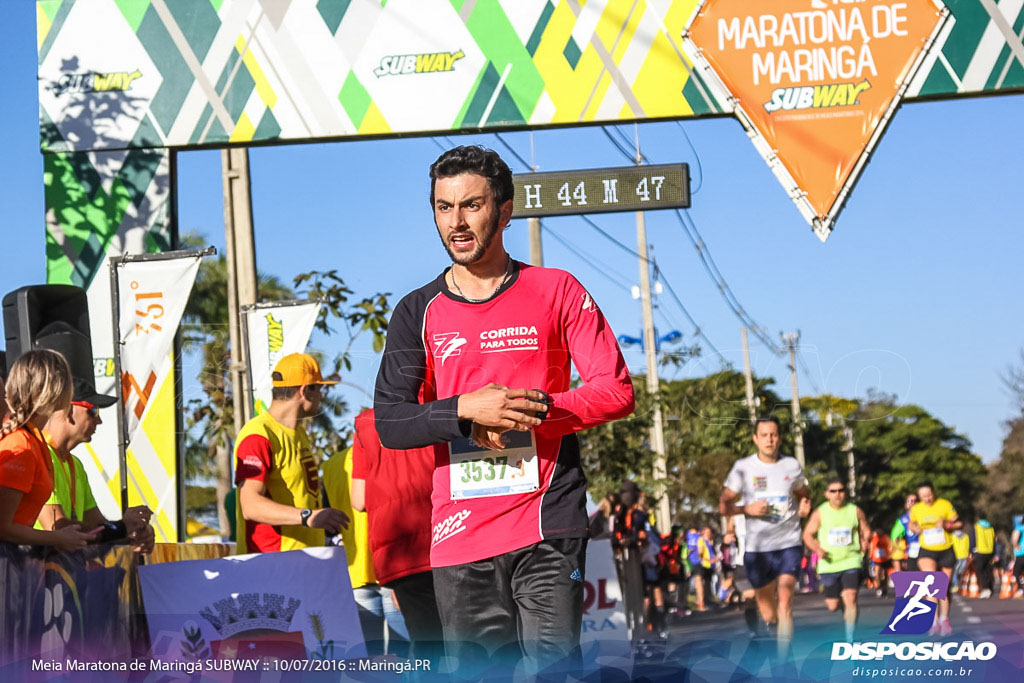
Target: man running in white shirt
{"points": [[771, 489]]}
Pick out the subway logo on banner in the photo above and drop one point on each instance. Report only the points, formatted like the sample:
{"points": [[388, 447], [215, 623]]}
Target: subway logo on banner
{"points": [[429, 62], [817, 96], [117, 81]]}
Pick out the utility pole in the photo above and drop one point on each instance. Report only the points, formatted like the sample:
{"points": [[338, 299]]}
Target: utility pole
{"points": [[750, 379], [851, 467], [791, 339], [241, 284], [536, 250], [657, 429], [533, 223], [651, 353]]}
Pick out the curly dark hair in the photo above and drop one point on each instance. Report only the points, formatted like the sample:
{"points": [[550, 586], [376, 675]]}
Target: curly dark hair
{"points": [[478, 161]]}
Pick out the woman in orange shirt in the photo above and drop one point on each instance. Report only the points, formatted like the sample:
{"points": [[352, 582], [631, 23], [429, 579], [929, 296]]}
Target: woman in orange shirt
{"points": [[39, 385], [881, 561]]}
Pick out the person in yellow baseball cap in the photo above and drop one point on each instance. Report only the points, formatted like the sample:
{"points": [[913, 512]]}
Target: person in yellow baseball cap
{"points": [[279, 492], [298, 370]]}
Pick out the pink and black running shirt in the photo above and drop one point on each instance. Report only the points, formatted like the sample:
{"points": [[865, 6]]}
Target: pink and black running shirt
{"points": [[440, 345]]}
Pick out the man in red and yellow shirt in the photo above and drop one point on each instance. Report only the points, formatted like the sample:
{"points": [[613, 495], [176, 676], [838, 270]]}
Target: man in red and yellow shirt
{"points": [[276, 474]]}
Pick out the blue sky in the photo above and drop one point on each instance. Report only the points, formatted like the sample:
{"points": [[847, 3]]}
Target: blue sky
{"points": [[917, 293]]}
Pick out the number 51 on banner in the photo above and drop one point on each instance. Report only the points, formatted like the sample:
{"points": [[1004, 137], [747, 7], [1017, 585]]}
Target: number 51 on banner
{"points": [[148, 297]]}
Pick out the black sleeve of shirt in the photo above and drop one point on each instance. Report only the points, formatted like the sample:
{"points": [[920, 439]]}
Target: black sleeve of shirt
{"points": [[402, 420]]}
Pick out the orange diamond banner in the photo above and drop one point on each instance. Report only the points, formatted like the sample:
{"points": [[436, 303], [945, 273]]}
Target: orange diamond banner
{"points": [[816, 80]]}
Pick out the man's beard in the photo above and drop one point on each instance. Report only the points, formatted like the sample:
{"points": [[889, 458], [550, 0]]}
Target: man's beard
{"points": [[482, 244]]}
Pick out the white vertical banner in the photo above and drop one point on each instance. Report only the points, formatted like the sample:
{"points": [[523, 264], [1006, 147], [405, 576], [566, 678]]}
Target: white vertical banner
{"points": [[272, 331], [151, 294], [604, 617]]}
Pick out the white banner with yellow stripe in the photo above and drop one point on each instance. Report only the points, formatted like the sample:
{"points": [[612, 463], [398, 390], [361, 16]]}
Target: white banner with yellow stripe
{"points": [[151, 297], [274, 330]]}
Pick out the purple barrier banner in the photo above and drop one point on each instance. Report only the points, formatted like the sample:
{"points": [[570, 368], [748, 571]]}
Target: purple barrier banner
{"points": [[58, 607]]}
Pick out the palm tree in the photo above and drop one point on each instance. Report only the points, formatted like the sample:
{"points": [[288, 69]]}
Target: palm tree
{"points": [[211, 430]]}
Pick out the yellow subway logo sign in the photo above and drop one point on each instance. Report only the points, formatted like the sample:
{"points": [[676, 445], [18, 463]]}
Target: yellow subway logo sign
{"points": [[428, 62], [816, 96], [275, 335], [93, 82]]}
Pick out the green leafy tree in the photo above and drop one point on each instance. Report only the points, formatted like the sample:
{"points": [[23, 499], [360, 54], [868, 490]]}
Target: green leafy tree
{"points": [[897, 447], [1003, 496], [210, 419], [1013, 378], [707, 428], [210, 422], [368, 315], [205, 327], [825, 418], [619, 450]]}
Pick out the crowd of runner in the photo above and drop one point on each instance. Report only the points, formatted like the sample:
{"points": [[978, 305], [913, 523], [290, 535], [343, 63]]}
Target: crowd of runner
{"points": [[765, 553]]}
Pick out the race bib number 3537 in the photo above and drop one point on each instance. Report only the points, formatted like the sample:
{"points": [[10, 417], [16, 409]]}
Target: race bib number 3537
{"points": [[478, 472]]}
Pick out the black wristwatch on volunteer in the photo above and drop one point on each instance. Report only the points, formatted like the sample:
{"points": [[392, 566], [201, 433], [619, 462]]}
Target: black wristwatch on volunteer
{"points": [[304, 516]]}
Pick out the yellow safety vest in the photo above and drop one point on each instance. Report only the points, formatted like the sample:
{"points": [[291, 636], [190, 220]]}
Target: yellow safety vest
{"points": [[984, 539]]}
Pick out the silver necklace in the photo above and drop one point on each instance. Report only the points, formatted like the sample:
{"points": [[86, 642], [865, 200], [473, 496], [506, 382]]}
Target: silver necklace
{"points": [[504, 279]]}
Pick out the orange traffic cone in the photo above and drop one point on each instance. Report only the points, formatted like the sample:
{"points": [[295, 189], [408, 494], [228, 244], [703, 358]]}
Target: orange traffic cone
{"points": [[973, 591], [1006, 585], [963, 585]]}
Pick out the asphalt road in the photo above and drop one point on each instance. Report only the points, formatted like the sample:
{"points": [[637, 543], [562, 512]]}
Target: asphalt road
{"points": [[717, 645], [972, 619]]}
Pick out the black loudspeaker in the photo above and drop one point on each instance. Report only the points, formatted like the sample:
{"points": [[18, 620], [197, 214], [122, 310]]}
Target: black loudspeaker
{"points": [[54, 317]]}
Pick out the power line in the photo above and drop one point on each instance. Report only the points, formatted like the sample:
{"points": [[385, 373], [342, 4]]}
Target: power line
{"points": [[716, 276], [620, 245], [709, 265], [624, 150], [627, 143], [696, 157], [671, 326], [605, 271], [807, 372], [513, 152], [664, 280], [597, 265], [697, 330]]}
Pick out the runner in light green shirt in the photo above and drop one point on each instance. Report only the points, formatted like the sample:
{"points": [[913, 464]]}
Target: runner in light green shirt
{"points": [[839, 533]]}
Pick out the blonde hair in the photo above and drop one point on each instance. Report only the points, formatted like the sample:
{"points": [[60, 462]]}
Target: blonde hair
{"points": [[39, 383]]}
